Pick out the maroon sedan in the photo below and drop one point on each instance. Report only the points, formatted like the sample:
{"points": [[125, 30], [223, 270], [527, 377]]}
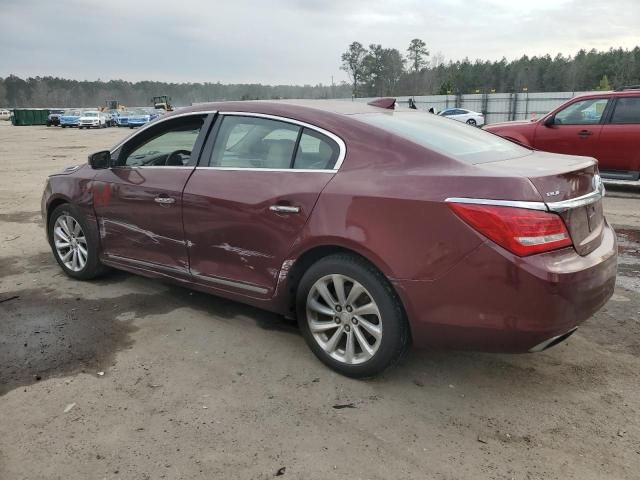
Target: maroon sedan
{"points": [[375, 228]]}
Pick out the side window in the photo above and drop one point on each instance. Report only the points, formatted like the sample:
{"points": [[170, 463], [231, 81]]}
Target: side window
{"points": [[253, 142], [584, 112], [627, 110], [316, 151], [169, 144]]}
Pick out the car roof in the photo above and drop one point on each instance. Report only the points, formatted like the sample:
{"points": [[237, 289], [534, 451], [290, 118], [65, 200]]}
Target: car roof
{"points": [[339, 107], [610, 93]]}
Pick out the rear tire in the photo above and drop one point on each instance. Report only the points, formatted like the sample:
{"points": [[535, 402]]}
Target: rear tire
{"points": [[365, 331], [74, 242], [471, 122]]}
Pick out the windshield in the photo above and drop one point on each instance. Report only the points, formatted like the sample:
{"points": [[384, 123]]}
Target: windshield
{"points": [[458, 140], [90, 114], [72, 113]]}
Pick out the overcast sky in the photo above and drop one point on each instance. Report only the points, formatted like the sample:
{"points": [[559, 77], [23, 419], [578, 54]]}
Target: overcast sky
{"points": [[287, 41]]}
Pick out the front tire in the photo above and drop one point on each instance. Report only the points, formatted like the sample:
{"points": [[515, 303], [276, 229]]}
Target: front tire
{"points": [[350, 316], [74, 243], [471, 122]]}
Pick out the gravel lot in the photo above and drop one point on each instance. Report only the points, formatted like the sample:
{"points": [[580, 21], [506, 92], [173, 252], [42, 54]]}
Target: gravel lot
{"points": [[129, 378]]}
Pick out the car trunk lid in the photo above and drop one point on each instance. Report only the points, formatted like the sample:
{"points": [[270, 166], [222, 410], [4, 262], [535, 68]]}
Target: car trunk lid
{"points": [[571, 187]]}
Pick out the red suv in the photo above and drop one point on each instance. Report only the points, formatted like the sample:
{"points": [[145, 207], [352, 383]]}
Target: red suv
{"points": [[603, 125]]}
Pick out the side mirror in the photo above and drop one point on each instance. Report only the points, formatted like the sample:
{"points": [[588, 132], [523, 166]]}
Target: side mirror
{"points": [[100, 160], [549, 121]]}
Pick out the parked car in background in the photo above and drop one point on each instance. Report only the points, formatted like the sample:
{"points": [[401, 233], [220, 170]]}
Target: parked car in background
{"points": [[603, 125], [281, 209], [93, 119], [5, 114], [70, 118], [466, 116], [54, 117], [122, 119], [138, 118], [112, 116]]}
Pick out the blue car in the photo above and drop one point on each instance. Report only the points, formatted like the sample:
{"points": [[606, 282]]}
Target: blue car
{"points": [[70, 118], [122, 119], [140, 117]]}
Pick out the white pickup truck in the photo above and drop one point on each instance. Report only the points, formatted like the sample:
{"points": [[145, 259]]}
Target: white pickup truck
{"points": [[93, 119]]}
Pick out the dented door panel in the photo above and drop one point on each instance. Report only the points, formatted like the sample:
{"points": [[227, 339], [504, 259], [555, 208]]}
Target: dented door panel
{"points": [[139, 213]]}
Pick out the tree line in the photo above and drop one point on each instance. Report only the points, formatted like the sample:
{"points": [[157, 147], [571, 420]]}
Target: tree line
{"points": [[377, 71], [373, 71], [60, 92]]}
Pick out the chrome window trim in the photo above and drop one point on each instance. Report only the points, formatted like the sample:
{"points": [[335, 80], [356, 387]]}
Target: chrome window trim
{"points": [[158, 121], [164, 167], [255, 169], [499, 203], [341, 144]]}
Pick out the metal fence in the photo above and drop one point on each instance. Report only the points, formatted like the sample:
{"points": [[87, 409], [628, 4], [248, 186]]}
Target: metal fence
{"points": [[497, 107]]}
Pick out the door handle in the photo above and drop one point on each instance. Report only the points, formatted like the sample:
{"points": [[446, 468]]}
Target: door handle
{"points": [[164, 200], [284, 209], [585, 133]]}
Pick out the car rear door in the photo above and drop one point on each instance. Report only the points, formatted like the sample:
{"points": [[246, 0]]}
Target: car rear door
{"points": [[574, 130], [138, 202], [619, 144], [250, 197]]}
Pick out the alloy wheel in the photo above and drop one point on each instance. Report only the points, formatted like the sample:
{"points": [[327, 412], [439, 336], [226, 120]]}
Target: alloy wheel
{"points": [[70, 243], [344, 319]]}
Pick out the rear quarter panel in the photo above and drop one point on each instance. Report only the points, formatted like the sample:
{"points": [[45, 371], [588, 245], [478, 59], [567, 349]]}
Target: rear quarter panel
{"points": [[387, 204]]}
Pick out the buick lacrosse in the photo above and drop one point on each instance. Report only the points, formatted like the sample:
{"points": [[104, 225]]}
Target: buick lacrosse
{"points": [[375, 227]]}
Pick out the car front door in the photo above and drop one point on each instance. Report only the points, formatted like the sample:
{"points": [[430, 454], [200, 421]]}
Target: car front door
{"points": [[138, 202], [619, 145], [574, 130], [250, 197]]}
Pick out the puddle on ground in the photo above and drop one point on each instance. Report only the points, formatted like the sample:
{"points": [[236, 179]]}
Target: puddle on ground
{"points": [[21, 217], [628, 253], [628, 242], [43, 336], [33, 264]]}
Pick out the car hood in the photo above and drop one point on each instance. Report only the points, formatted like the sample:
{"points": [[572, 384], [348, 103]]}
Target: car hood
{"points": [[512, 123]]}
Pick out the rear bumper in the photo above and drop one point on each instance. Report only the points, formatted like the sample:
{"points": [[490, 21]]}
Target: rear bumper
{"points": [[497, 302]]}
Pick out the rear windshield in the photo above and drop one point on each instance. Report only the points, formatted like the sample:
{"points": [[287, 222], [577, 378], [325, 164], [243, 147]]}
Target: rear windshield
{"points": [[446, 136]]}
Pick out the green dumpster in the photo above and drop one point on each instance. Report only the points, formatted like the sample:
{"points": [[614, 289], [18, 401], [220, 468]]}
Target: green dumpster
{"points": [[30, 116]]}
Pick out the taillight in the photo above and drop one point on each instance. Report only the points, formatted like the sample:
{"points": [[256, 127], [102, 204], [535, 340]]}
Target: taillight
{"points": [[521, 231]]}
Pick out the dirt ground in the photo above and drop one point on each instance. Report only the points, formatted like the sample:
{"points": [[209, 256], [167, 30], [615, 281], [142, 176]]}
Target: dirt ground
{"points": [[129, 378]]}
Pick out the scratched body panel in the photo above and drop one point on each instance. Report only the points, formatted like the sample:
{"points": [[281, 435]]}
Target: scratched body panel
{"points": [[132, 224]]}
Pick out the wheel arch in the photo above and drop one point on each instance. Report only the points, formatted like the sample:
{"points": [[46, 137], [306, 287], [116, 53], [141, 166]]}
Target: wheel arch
{"points": [[306, 258], [54, 203]]}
